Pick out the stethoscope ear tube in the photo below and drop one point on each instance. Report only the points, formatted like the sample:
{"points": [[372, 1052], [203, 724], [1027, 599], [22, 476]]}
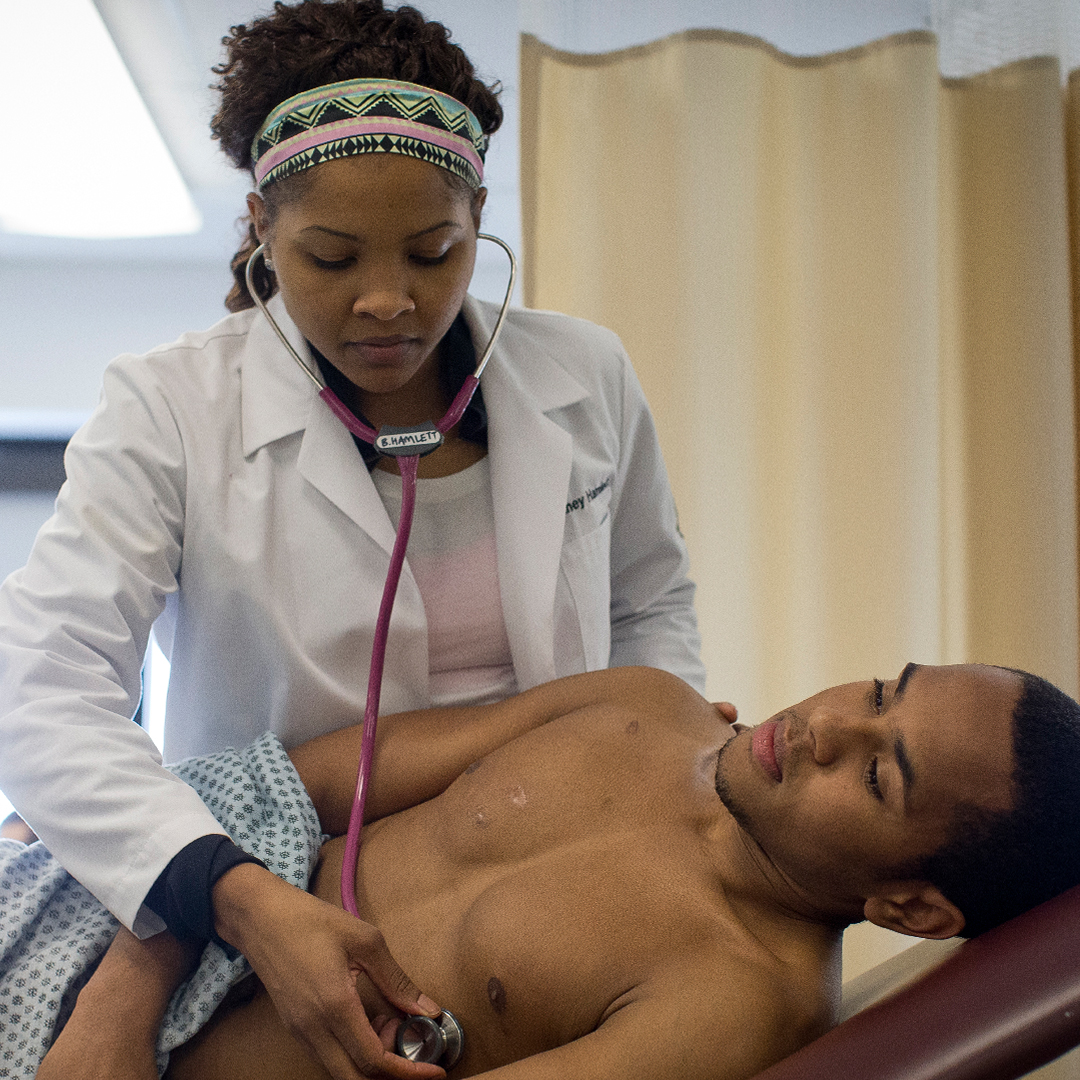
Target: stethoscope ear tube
{"points": [[249, 280], [450, 419], [505, 304]]}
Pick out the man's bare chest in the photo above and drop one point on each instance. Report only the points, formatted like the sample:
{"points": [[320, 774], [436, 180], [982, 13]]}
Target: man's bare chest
{"points": [[543, 887], [533, 954]]}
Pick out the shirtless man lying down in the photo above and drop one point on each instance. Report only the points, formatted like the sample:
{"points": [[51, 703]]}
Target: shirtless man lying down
{"points": [[602, 879]]}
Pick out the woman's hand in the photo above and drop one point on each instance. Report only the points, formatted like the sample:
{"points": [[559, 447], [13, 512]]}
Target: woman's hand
{"points": [[727, 711], [112, 1031], [330, 976]]}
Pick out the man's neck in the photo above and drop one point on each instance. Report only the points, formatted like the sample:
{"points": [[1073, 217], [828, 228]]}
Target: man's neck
{"points": [[767, 901]]}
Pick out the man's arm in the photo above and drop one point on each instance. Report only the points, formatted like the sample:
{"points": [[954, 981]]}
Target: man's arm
{"points": [[683, 1027], [112, 1032], [691, 1023], [418, 755]]}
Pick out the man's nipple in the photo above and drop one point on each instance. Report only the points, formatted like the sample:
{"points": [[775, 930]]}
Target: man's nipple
{"points": [[496, 995]]}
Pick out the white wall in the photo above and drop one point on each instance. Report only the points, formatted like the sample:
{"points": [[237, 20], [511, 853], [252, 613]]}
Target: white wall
{"points": [[61, 323], [22, 513]]}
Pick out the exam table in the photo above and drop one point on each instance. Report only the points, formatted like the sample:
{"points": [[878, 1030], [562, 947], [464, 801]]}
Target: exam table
{"points": [[992, 1008]]}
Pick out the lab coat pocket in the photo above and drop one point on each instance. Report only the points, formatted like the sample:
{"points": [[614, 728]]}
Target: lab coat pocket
{"points": [[586, 571]]}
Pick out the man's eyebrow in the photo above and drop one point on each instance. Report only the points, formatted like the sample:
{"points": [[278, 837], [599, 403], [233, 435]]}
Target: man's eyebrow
{"points": [[903, 763], [901, 683]]}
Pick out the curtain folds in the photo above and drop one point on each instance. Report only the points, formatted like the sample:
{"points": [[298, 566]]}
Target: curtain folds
{"points": [[845, 283]]}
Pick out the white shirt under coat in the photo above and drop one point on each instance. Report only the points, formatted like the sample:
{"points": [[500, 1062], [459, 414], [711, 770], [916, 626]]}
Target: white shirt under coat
{"points": [[214, 492]]}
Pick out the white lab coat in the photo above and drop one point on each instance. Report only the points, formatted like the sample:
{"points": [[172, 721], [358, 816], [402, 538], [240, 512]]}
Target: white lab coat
{"points": [[214, 492]]}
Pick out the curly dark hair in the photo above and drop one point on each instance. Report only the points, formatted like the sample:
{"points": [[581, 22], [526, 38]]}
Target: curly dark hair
{"points": [[306, 45], [996, 865]]}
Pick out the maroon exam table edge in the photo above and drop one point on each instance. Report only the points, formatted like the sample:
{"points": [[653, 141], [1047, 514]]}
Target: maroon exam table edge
{"points": [[1001, 1005]]}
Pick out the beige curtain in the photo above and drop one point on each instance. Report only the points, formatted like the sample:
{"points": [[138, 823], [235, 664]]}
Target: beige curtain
{"points": [[845, 286]]}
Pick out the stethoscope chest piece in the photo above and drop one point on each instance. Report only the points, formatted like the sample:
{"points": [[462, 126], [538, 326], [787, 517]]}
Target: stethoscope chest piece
{"points": [[438, 1042]]}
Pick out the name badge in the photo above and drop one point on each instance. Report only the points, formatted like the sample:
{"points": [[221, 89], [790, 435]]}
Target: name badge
{"points": [[408, 441]]}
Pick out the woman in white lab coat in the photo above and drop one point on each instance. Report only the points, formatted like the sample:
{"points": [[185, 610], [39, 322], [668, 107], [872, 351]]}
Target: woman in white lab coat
{"points": [[214, 495]]}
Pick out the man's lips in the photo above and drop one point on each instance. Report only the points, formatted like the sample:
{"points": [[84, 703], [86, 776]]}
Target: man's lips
{"points": [[763, 745]]}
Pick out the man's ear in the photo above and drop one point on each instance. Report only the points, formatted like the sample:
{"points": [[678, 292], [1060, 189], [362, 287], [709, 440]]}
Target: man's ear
{"points": [[915, 908]]}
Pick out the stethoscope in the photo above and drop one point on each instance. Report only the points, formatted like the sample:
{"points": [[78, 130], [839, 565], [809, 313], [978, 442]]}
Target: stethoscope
{"points": [[418, 1036]]}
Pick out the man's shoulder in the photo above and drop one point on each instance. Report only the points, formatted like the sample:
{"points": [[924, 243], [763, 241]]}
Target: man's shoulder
{"points": [[758, 1007], [657, 692]]}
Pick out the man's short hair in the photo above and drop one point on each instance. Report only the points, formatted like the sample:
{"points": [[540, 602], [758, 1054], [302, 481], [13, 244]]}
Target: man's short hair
{"points": [[998, 864]]}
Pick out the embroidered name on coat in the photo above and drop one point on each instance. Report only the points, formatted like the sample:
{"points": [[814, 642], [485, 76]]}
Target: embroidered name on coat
{"points": [[583, 500]]}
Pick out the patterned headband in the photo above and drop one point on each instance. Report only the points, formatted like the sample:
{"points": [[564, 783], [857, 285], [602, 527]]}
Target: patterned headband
{"points": [[369, 116]]}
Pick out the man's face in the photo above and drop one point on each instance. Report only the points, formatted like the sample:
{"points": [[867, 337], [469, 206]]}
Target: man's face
{"points": [[859, 780]]}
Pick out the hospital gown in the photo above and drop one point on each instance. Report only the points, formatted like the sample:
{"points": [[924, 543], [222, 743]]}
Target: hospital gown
{"points": [[53, 932]]}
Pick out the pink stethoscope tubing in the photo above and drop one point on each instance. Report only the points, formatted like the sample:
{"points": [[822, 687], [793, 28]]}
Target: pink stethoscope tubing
{"points": [[407, 467]]}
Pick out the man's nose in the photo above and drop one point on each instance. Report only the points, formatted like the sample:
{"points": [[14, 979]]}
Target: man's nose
{"points": [[830, 734]]}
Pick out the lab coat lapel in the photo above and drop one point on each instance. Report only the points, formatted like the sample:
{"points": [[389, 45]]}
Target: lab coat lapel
{"points": [[531, 456], [330, 462], [278, 399], [275, 394]]}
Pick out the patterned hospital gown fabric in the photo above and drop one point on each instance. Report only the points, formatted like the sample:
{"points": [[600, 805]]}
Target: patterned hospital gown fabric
{"points": [[53, 932]]}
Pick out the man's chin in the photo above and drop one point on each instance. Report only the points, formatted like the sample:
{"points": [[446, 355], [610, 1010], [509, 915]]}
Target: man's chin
{"points": [[726, 792]]}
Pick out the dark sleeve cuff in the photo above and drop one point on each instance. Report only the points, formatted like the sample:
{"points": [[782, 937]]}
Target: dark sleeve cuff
{"points": [[181, 895]]}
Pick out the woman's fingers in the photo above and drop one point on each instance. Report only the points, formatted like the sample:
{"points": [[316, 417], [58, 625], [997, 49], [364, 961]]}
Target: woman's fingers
{"points": [[382, 969], [376, 1060], [321, 967], [727, 711]]}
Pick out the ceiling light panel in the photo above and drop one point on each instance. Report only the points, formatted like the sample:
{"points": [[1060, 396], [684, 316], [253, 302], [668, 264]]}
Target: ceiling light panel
{"points": [[81, 156]]}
